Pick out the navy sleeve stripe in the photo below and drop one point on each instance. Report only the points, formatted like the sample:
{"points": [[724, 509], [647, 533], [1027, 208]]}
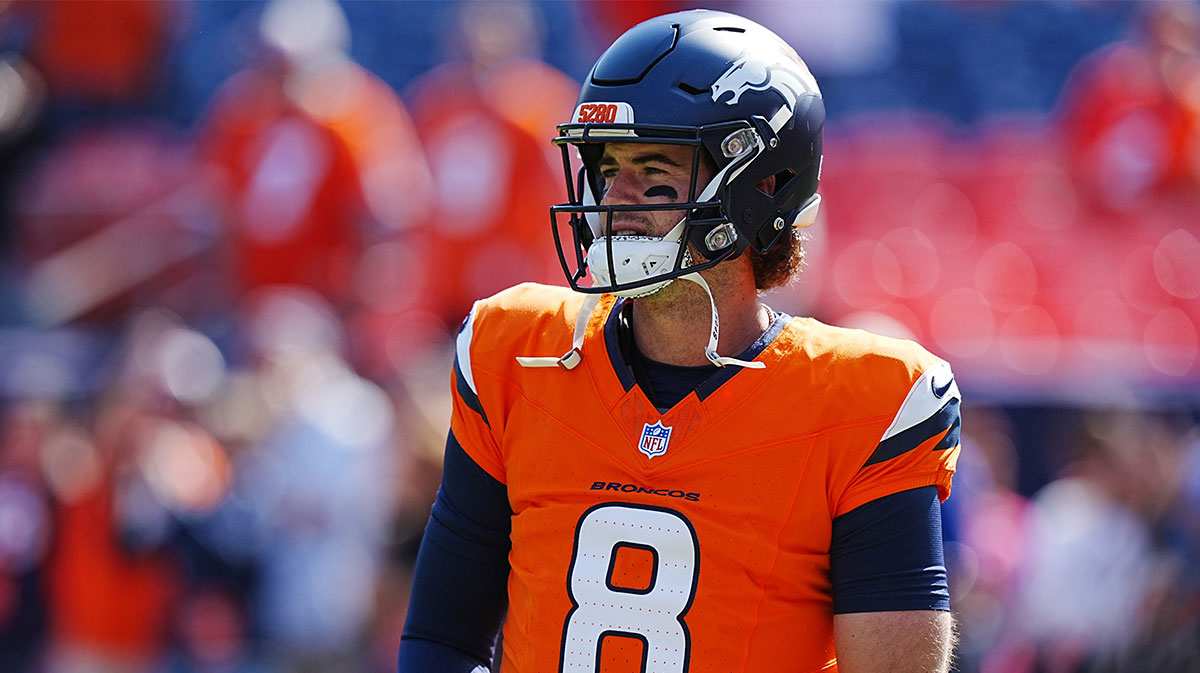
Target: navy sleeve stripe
{"points": [[418, 655], [460, 585], [946, 420], [951, 439], [465, 392], [473, 505], [887, 555]]}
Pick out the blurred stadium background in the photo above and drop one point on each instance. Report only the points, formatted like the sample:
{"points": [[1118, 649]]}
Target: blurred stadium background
{"points": [[236, 239]]}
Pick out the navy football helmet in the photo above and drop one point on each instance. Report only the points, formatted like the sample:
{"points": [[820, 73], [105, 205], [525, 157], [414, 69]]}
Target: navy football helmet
{"points": [[737, 94]]}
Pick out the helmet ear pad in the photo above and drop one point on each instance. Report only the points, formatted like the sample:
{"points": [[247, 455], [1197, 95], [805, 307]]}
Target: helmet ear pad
{"points": [[751, 203], [789, 194]]}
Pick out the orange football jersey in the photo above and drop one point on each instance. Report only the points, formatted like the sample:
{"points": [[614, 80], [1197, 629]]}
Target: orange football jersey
{"points": [[696, 539]]}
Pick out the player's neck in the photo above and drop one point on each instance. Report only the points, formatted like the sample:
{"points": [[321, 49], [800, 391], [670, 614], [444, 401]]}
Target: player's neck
{"points": [[672, 325]]}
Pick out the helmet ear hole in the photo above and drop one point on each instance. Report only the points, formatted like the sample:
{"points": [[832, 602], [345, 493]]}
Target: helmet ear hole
{"points": [[776, 183]]}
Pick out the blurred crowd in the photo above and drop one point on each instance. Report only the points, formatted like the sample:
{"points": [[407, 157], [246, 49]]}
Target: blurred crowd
{"points": [[225, 345], [1097, 570]]}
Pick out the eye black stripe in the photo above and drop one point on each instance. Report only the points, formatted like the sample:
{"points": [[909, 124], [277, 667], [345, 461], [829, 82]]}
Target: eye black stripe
{"points": [[662, 190]]}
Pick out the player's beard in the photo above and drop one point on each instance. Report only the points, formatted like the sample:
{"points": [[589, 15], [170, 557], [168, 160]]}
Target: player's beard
{"points": [[683, 299]]}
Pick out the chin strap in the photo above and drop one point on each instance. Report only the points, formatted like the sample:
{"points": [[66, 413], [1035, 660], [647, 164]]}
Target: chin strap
{"points": [[714, 334], [572, 357]]}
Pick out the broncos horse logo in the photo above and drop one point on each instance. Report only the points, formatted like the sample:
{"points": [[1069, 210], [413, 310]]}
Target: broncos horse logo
{"points": [[745, 76]]}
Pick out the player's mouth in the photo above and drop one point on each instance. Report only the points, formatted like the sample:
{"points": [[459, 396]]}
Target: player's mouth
{"points": [[629, 228]]}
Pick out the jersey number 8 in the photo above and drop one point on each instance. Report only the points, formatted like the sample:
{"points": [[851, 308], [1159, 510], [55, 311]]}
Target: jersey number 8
{"points": [[652, 613]]}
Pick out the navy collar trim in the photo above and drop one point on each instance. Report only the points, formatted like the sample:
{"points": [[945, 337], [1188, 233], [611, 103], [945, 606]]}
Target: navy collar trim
{"points": [[612, 339], [624, 371]]}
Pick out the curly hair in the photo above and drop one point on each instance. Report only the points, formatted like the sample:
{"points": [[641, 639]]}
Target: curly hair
{"points": [[778, 266]]}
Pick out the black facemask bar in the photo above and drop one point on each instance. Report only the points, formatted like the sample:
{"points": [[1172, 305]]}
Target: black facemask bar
{"points": [[701, 216]]}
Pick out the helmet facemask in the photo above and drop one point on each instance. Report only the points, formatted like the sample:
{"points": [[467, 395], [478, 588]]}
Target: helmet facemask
{"points": [[634, 266]]}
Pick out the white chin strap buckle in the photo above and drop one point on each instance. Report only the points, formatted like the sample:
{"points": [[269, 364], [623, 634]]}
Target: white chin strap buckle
{"points": [[573, 357]]}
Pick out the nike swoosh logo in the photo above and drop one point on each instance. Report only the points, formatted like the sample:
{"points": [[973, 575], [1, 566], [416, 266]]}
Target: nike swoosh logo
{"points": [[941, 392]]}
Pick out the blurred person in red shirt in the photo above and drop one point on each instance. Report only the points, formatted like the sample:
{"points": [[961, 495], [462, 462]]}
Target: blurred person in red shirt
{"points": [[320, 156], [66, 64], [486, 120], [123, 483], [104, 52], [1130, 115], [110, 580]]}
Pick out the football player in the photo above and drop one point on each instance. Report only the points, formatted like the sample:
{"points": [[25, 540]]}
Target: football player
{"points": [[655, 472]]}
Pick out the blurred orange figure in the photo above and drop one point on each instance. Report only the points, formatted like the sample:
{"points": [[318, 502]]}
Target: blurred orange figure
{"points": [[107, 605], [100, 51], [486, 122], [110, 594], [1131, 114], [319, 154]]}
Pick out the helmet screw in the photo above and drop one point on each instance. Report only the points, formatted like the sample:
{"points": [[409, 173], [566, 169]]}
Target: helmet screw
{"points": [[779, 224], [774, 143], [748, 215]]}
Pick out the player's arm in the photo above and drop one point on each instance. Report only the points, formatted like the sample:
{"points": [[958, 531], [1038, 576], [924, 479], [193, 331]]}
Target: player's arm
{"points": [[459, 594], [891, 598], [918, 641]]}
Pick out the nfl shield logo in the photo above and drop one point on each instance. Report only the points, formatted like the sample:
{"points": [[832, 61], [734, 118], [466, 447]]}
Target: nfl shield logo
{"points": [[655, 439]]}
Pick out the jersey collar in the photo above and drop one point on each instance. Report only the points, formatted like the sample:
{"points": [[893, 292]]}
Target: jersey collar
{"points": [[612, 334]]}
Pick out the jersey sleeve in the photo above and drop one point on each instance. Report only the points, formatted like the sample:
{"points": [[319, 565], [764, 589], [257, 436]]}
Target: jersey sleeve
{"points": [[469, 421], [488, 383], [918, 447]]}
